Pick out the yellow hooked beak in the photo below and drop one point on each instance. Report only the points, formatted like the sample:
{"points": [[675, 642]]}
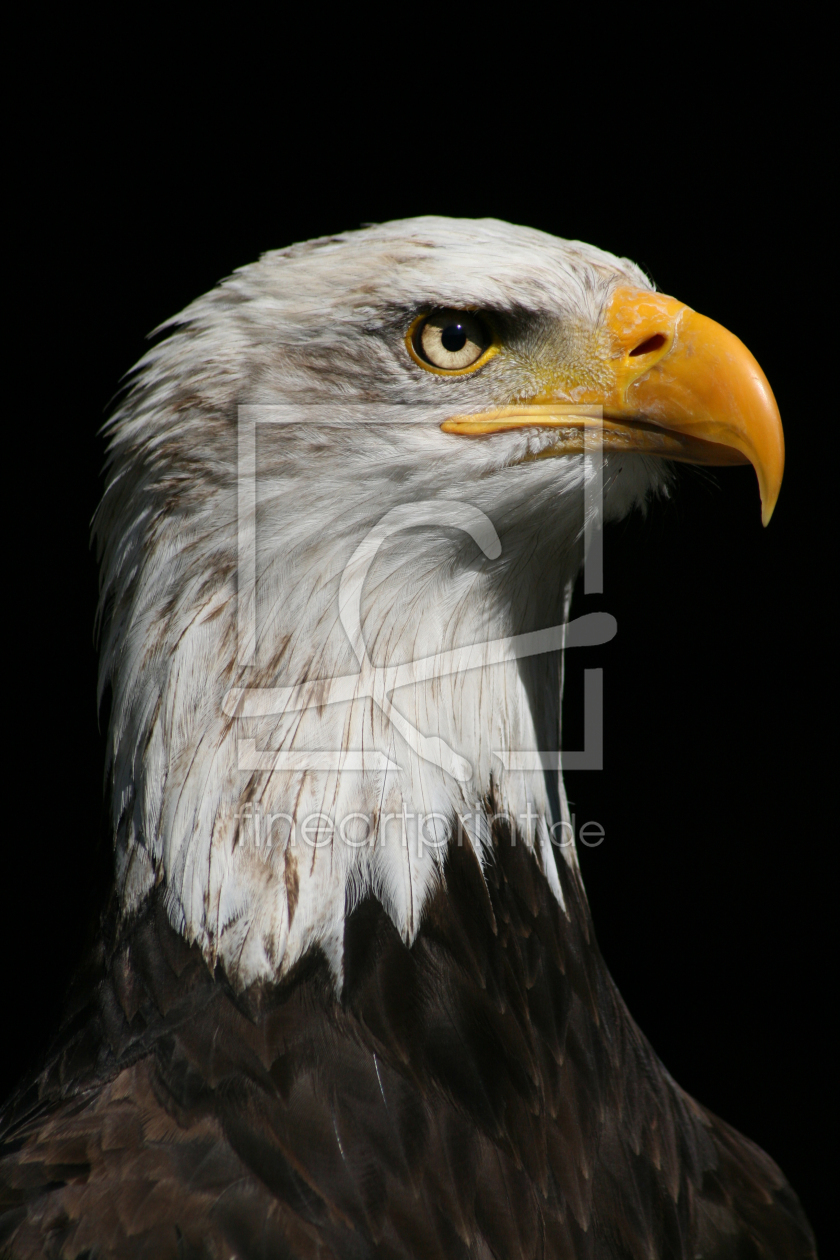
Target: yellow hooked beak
{"points": [[670, 383]]}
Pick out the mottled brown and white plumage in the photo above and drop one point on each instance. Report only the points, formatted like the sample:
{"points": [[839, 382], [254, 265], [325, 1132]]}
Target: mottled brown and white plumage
{"points": [[301, 1039]]}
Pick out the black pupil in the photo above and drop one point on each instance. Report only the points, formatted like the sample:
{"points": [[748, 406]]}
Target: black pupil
{"points": [[453, 338]]}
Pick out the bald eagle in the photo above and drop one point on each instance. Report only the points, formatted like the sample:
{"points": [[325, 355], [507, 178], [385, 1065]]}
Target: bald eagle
{"points": [[347, 1001]]}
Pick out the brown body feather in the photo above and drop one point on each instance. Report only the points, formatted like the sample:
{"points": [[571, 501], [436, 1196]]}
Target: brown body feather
{"points": [[483, 1093]]}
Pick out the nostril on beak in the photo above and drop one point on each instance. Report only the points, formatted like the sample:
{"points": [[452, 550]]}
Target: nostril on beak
{"points": [[647, 347]]}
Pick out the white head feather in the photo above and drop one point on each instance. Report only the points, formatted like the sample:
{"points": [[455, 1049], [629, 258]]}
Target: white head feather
{"points": [[319, 328]]}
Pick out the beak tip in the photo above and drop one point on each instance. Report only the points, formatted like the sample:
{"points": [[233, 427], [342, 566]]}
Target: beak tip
{"points": [[770, 473], [769, 499]]}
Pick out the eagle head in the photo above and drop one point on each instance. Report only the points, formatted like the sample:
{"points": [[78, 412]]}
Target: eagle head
{"points": [[348, 495]]}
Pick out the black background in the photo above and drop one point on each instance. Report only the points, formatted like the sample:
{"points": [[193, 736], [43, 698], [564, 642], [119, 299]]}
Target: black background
{"points": [[141, 182]]}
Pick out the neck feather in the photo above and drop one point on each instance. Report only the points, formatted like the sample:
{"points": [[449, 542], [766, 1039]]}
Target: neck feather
{"points": [[271, 791]]}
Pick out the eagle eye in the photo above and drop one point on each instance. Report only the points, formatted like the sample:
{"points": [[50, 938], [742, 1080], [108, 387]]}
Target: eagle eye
{"points": [[449, 341]]}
